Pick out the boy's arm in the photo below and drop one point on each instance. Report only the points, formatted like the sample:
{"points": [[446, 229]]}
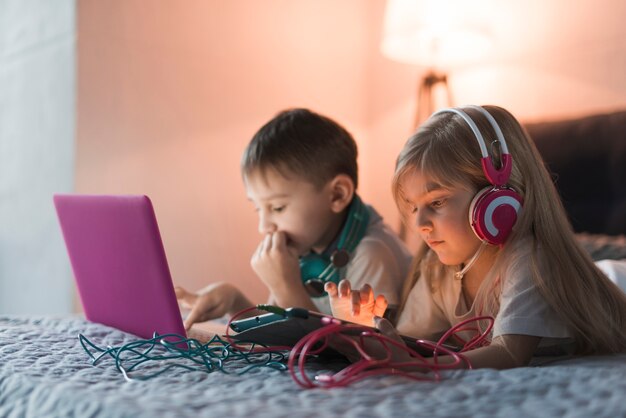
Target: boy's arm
{"points": [[278, 266], [291, 299], [214, 301], [295, 297]]}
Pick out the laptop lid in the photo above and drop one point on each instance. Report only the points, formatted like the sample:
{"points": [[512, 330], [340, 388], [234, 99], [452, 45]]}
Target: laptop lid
{"points": [[119, 262]]}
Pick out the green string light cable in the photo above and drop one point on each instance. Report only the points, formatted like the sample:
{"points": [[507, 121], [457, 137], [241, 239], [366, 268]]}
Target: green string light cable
{"points": [[176, 351]]}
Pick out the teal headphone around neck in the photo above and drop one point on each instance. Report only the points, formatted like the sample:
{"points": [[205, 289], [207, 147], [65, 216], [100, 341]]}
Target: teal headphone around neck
{"points": [[317, 269]]}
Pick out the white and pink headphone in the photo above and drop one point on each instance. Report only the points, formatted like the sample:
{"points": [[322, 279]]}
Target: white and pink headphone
{"points": [[494, 210]]}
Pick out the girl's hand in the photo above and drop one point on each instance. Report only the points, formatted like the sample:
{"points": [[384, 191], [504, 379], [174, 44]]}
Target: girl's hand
{"points": [[397, 354], [358, 306], [276, 263], [214, 301], [375, 348]]}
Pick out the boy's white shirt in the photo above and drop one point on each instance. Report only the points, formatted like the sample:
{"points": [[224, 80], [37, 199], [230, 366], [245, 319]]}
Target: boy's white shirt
{"points": [[436, 303], [380, 259]]}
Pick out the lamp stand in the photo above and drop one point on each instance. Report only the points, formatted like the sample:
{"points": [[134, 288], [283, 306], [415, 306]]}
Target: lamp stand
{"points": [[425, 100]]}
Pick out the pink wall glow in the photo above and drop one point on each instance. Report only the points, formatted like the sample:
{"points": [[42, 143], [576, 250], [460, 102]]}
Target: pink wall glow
{"points": [[169, 93]]}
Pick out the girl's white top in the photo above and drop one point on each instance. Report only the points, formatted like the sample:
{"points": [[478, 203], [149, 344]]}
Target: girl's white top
{"points": [[436, 303]]}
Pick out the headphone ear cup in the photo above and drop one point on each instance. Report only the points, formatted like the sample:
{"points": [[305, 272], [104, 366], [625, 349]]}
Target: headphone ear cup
{"points": [[493, 213], [312, 266]]}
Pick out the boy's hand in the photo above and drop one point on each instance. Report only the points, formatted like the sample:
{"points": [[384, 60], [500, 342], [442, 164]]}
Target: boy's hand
{"points": [[358, 306], [276, 263], [214, 301]]}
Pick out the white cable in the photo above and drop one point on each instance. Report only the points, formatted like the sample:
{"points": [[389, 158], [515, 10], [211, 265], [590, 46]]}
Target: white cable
{"points": [[459, 274]]}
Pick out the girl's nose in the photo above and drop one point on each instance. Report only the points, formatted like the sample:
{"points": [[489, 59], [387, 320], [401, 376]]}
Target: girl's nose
{"points": [[422, 221]]}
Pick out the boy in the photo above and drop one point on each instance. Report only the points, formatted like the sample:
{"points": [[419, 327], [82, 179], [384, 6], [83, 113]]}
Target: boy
{"points": [[300, 172]]}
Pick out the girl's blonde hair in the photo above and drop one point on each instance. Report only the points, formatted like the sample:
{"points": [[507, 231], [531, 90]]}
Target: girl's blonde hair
{"points": [[445, 150]]}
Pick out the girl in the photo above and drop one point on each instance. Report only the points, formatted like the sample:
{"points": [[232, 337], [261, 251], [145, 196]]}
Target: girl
{"points": [[516, 260]]}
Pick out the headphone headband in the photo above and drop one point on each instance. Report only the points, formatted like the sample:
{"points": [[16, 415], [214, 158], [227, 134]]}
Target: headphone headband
{"points": [[494, 125], [493, 211], [497, 177]]}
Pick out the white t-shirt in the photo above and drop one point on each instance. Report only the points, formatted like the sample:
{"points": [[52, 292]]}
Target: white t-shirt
{"points": [[436, 303], [380, 259]]}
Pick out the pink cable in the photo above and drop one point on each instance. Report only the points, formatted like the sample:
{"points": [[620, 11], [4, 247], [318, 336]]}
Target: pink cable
{"points": [[368, 366], [318, 340]]}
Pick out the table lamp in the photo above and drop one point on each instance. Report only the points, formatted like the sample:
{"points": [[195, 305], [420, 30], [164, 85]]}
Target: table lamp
{"points": [[438, 35]]}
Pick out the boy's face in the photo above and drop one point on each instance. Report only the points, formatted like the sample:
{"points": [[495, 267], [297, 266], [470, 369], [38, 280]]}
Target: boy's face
{"points": [[294, 206]]}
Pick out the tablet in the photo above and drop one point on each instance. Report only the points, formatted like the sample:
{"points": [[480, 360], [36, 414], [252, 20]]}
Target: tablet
{"points": [[285, 327]]}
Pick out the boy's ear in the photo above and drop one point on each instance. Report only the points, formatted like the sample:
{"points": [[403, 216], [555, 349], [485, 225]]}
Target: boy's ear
{"points": [[341, 192]]}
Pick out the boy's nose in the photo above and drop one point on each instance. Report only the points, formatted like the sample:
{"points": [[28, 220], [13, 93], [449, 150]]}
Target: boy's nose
{"points": [[266, 226]]}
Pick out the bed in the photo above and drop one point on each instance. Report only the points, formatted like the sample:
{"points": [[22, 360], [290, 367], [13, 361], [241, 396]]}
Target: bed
{"points": [[44, 370]]}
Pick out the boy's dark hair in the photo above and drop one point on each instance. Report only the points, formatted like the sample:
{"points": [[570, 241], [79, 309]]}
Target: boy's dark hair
{"points": [[302, 142]]}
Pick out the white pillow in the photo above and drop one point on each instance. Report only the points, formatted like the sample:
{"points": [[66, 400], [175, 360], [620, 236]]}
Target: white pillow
{"points": [[615, 270]]}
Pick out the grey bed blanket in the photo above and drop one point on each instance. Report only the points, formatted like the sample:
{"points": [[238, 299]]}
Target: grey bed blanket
{"points": [[44, 372]]}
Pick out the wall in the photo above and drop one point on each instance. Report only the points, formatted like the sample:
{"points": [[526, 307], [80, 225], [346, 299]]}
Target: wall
{"points": [[169, 95], [37, 117], [553, 59]]}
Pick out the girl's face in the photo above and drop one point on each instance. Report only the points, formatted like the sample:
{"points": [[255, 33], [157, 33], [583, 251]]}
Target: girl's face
{"points": [[440, 216], [294, 206]]}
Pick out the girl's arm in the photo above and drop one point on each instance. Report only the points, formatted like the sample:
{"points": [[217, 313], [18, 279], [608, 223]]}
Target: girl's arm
{"points": [[504, 352], [358, 306]]}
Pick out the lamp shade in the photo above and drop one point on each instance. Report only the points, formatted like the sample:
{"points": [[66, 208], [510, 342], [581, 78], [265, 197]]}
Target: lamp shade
{"points": [[436, 33]]}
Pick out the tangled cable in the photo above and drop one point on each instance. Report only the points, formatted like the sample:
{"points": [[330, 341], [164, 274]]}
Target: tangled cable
{"points": [[373, 354], [357, 340], [177, 351]]}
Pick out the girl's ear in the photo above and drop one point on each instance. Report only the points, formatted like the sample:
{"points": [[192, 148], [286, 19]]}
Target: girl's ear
{"points": [[341, 192]]}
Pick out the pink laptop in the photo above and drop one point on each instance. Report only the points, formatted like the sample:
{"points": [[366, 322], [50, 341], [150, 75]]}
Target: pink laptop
{"points": [[119, 262]]}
